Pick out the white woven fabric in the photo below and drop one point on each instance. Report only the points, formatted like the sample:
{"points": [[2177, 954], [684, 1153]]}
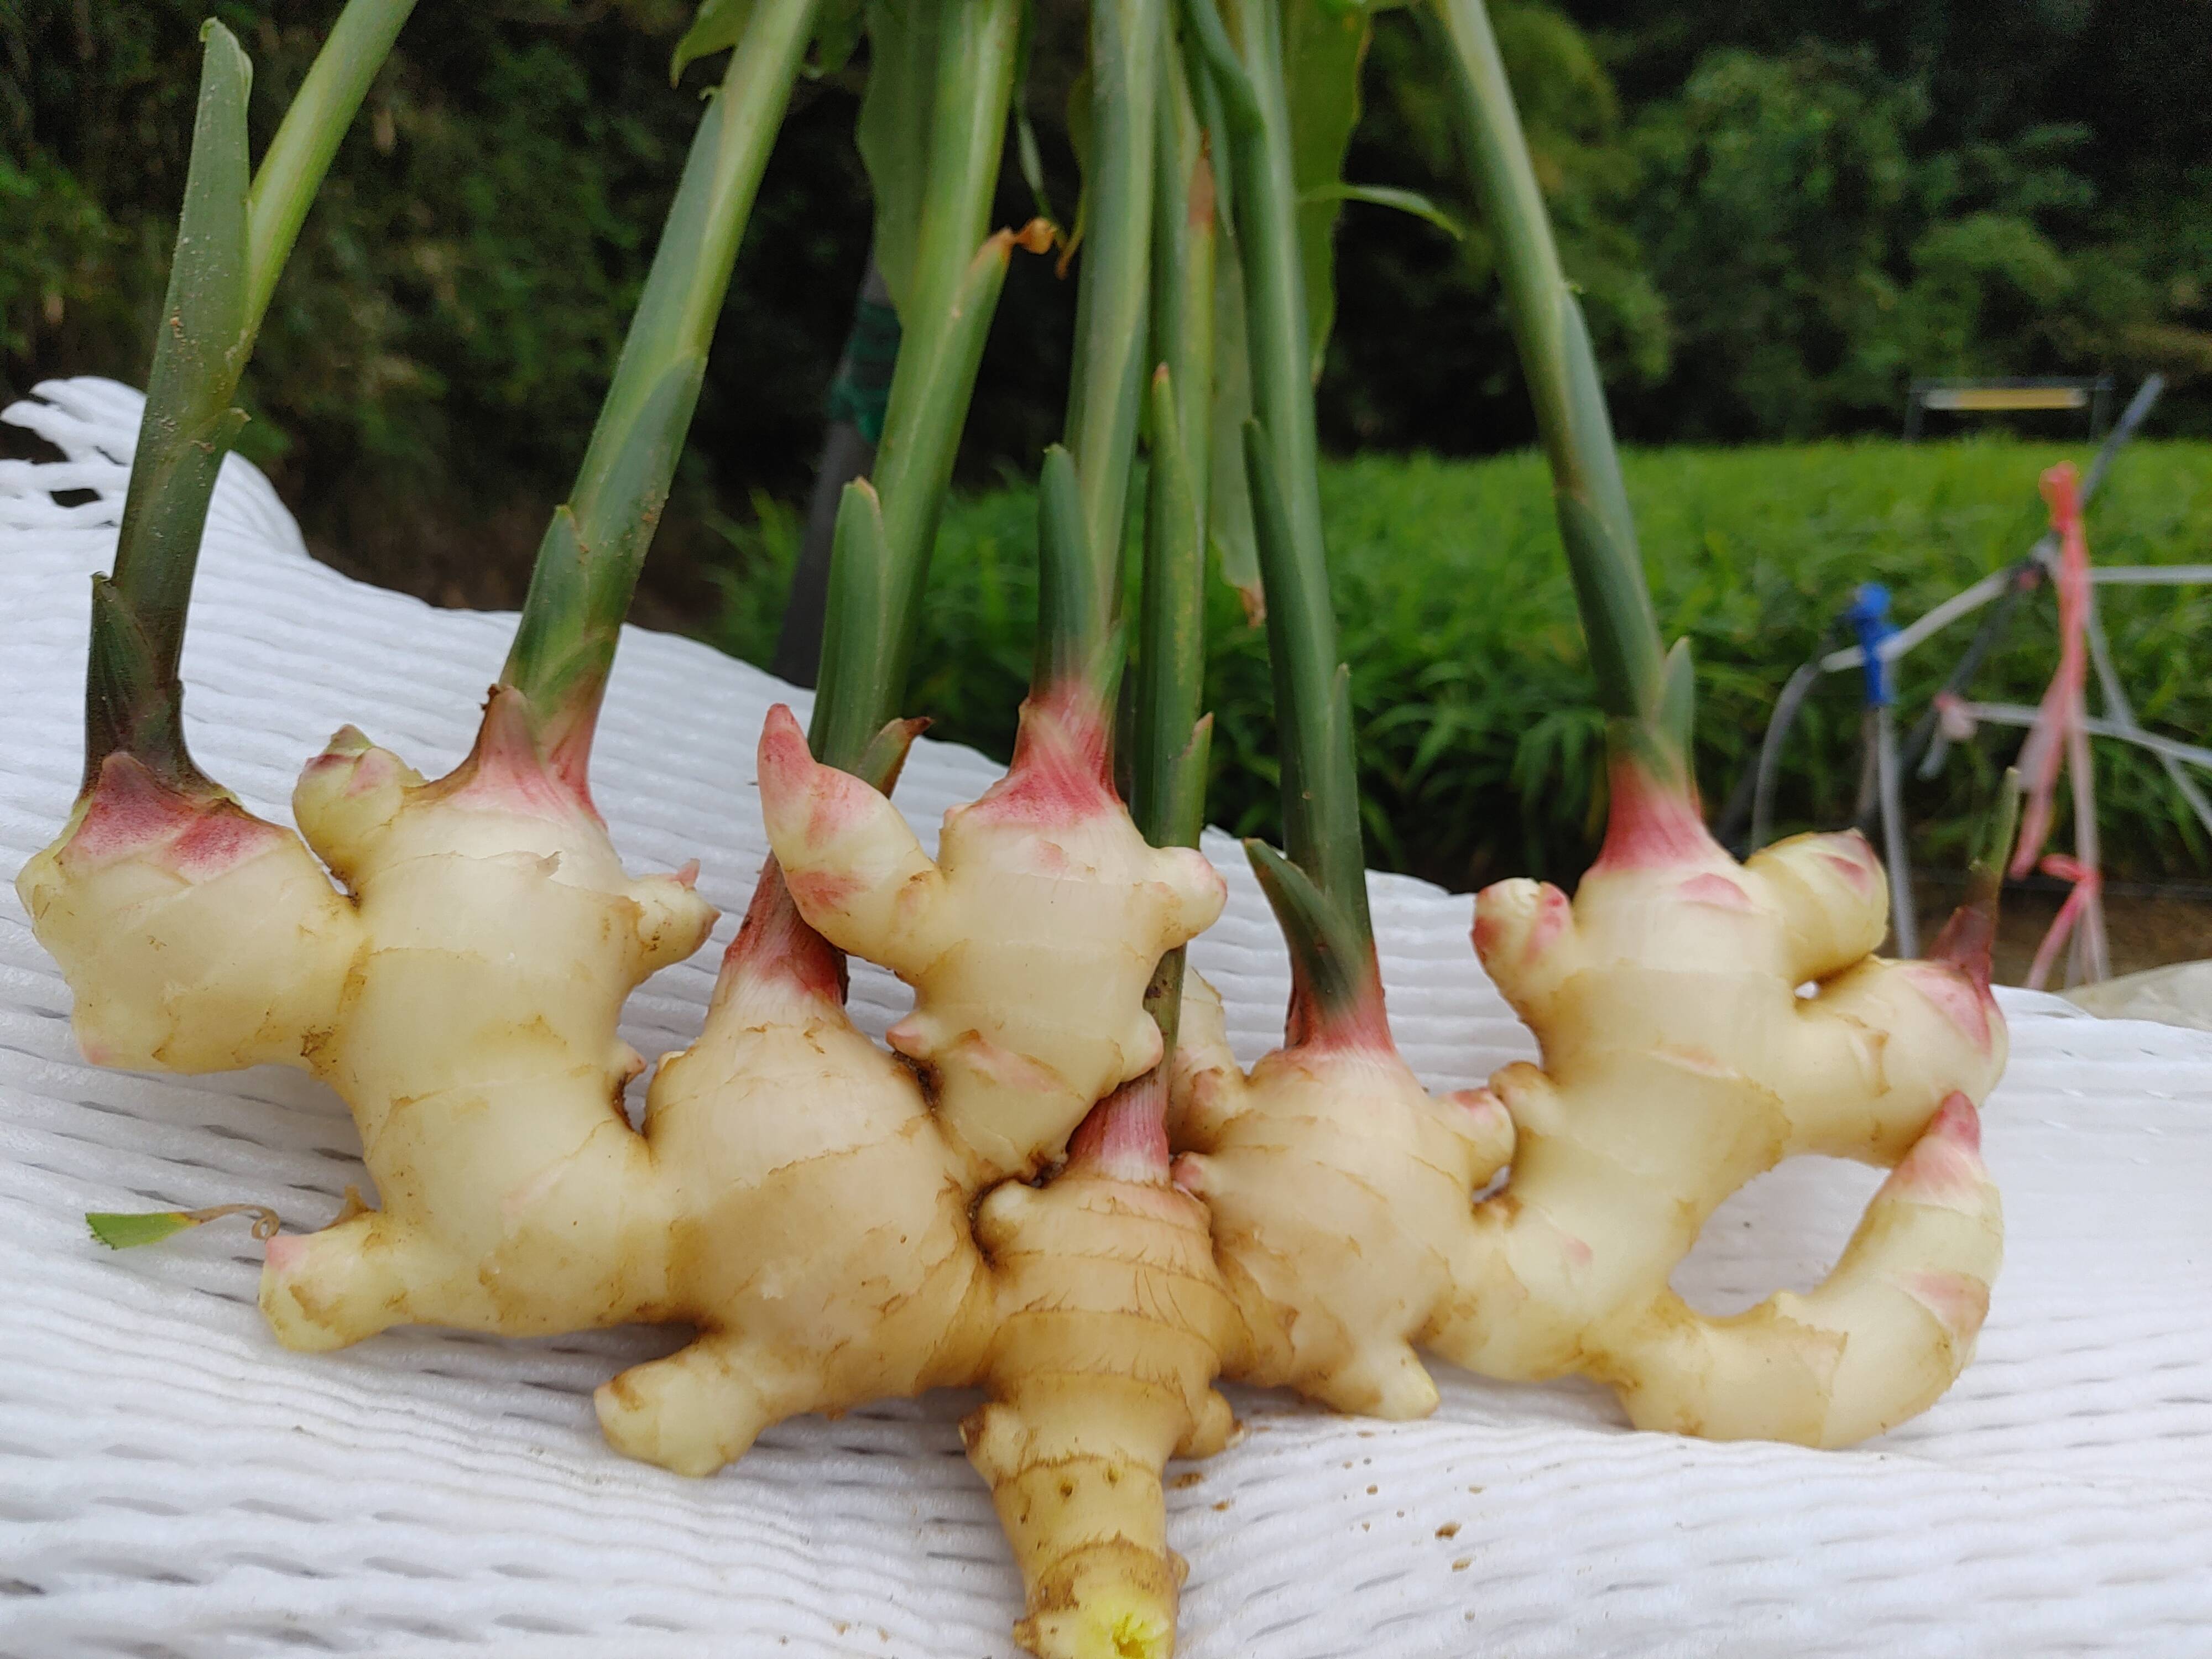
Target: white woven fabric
{"points": [[173, 1484]]}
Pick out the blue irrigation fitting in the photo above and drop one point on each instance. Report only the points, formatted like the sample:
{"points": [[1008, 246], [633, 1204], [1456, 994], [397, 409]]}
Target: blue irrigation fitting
{"points": [[1868, 616]]}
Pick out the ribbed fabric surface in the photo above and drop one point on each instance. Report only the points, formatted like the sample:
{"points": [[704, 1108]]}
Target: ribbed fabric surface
{"points": [[173, 1485]]}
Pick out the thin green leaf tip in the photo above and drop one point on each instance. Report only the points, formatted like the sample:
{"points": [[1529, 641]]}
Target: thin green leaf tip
{"points": [[1993, 853], [1412, 202], [719, 26]]}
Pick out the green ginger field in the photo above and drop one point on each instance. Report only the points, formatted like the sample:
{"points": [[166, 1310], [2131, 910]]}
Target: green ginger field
{"points": [[1478, 740]]}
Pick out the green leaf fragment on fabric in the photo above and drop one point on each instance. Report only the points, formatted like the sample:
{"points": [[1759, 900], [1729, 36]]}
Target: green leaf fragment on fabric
{"points": [[123, 1232]]}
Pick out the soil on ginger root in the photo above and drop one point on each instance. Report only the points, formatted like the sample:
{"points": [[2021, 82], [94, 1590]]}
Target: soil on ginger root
{"points": [[2145, 927]]}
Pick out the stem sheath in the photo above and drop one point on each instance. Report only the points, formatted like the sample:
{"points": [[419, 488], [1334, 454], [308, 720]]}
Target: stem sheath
{"points": [[1170, 743], [588, 564], [1651, 714], [300, 153], [1321, 800], [232, 237], [868, 640], [1106, 388]]}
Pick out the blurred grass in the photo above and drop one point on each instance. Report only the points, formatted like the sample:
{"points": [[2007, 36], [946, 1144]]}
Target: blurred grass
{"points": [[1479, 741]]}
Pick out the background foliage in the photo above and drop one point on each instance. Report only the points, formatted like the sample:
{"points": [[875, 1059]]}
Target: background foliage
{"points": [[1478, 732], [1777, 214]]}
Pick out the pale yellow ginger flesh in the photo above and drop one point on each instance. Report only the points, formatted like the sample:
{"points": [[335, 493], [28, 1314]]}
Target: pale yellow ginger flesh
{"points": [[789, 1195], [792, 1194], [196, 936], [462, 997], [1680, 1061], [1029, 940], [1112, 1322], [1340, 1190], [821, 1233]]}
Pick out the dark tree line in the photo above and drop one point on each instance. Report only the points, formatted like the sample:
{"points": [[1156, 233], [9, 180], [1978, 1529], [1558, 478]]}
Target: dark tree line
{"points": [[1777, 214]]}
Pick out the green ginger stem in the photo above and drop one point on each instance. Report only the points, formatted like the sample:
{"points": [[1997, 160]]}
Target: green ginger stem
{"points": [[1320, 894], [1170, 743], [1183, 267], [1106, 386], [1167, 801], [1171, 740], [1646, 696], [887, 528], [234, 235], [588, 564], [1083, 490], [308, 138], [1167, 798]]}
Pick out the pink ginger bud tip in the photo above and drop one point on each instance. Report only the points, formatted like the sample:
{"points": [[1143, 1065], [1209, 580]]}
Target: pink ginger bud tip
{"points": [[1945, 1164], [791, 780], [286, 1253], [784, 756], [1960, 992], [1959, 1302], [1544, 911], [1850, 855], [1652, 825], [133, 814], [1958, 1120], [346, 743], [1717, 891], [1480, 1103]]}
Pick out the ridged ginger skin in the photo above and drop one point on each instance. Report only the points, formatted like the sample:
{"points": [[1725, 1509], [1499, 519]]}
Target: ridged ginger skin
{"points": [[820, 1232], [197, 936], [1112, 1322], [1029, 940], [476, 1047], [1679, 1061], [789, 1195], [792, 1194], [823, 1244], [461, 994], [1340, 1193]]}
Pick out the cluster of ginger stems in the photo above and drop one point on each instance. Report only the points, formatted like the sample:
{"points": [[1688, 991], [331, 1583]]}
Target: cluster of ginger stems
{"points": [[1056, 1185]]}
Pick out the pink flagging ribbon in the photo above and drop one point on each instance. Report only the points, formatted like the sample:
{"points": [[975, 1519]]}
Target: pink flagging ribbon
{"points": [[2088, 883], [2061, 709]]}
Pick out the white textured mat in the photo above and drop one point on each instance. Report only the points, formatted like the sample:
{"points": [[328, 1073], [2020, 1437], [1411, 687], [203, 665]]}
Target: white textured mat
{"points": [[173, 1485]]}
